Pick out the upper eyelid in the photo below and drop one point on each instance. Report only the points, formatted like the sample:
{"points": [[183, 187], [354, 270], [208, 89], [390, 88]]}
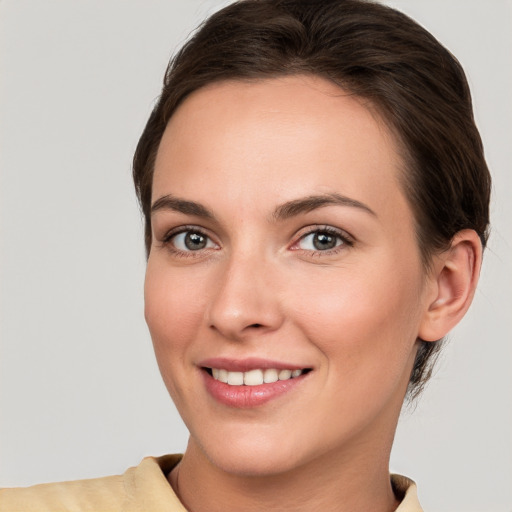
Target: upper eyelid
{"points": [[342, 233], [183, 229]]}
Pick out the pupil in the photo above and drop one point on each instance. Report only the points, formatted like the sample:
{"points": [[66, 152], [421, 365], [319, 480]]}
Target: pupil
{"points": [[323, 241], [195, 241]]}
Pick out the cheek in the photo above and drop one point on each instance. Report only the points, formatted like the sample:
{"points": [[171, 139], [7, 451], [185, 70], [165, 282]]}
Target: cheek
{"points": [[173, 310], [361, 320]]}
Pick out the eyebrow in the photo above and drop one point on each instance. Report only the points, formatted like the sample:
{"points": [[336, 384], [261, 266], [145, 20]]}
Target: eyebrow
{"points": [[310, 203], [169, 202], [282, 212]]}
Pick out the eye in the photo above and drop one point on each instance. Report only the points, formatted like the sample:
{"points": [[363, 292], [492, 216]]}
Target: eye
{"points": [[322, 240], [319, 241], [190, 240]]}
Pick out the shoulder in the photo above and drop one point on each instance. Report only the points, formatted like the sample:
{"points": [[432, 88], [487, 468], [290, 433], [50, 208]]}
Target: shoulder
{"points": [[143, 487], [406, 492], [95, 494]]}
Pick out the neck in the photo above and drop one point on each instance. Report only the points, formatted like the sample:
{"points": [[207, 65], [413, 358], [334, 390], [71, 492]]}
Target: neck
{"points": [[333, 481]]}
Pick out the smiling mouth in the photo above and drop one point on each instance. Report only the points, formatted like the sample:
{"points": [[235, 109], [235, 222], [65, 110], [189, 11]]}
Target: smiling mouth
{"points": [[255, 377]]}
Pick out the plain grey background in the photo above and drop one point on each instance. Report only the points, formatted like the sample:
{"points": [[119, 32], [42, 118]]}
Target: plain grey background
{"points": [[80, 393]]}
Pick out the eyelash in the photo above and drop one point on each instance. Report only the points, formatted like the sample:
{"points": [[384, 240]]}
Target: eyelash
{"points": [[345, 241], [167, 241]]}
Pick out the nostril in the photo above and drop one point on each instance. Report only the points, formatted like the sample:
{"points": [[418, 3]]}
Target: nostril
{"points": [[255, 325]]}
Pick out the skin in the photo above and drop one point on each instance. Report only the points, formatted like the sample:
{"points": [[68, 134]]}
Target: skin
{"points": [[260, 289]]}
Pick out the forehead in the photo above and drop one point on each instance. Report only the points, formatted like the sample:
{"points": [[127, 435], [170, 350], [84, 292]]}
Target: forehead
{"points": [[279, 138]]}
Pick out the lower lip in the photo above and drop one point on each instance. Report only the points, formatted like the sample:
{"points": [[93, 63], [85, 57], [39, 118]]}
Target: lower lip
{"points": [[245, 397]]}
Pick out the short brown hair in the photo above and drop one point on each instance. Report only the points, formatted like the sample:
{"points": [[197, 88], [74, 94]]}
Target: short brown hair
{"points": [[374, 52]]}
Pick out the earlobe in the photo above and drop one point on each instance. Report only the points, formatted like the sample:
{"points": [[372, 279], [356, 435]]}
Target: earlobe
{"points": [[453, 284]]}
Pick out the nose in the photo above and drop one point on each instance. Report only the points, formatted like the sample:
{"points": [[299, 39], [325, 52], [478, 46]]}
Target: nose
{"points": [[246, 300]]}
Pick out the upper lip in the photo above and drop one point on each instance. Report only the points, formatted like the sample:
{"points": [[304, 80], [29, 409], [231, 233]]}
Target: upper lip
{"points": [[245, 365]]}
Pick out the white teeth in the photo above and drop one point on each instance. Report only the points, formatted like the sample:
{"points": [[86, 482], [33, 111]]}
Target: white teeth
{"points": [[285, 374], [253, 377], [270, 375], [235, 378]]}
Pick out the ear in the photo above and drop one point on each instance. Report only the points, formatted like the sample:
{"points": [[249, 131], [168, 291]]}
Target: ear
{"points": [[452, 285]]}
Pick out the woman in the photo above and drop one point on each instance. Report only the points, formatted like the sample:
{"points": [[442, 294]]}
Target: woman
{"points": [[316, 205]]}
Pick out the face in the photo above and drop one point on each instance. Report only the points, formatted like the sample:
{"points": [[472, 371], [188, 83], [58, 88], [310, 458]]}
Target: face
{"points": [[284, 262]]}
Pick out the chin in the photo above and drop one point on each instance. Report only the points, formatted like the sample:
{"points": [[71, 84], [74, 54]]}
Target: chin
{"points": [[257, 457]]}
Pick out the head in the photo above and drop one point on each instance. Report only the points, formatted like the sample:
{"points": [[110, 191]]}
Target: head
{"points": [[403, 74]]}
